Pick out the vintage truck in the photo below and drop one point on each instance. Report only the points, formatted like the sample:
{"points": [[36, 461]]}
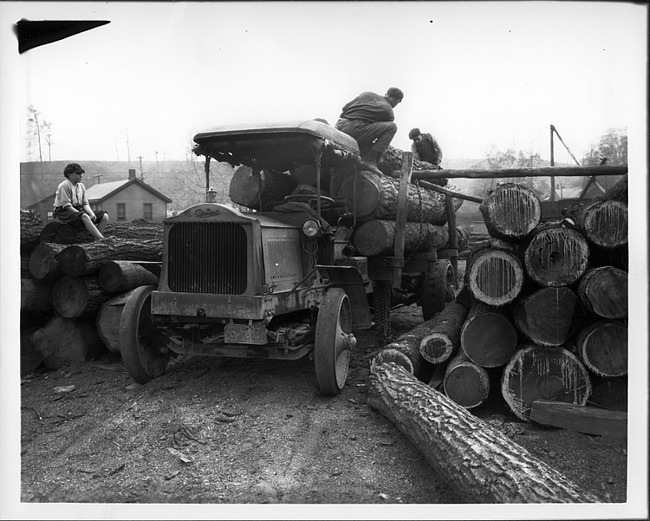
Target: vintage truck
{"points": [[282, 283]]}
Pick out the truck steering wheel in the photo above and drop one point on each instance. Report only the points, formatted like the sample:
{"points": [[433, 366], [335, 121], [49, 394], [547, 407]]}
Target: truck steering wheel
{"points": [[311, 199]]}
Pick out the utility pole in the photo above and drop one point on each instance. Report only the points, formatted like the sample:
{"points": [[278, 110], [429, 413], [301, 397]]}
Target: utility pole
{"points": [[141, 172], [98, 177]]}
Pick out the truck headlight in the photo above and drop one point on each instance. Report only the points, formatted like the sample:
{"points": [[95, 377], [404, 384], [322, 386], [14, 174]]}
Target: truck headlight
{"points": [[311, 228]]}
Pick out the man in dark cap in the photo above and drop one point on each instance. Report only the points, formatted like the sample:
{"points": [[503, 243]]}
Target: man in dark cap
{"points": [[369, 119], [425, 148], [71, 205]]}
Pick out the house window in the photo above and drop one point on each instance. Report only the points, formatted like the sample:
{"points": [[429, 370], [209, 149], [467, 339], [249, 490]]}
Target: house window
{"points": [[121, 211], [50, 216], [147, 211]]}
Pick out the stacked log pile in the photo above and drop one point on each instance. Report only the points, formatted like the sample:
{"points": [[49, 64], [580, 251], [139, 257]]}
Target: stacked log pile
{"points": [[540, 320], [72, 294]]}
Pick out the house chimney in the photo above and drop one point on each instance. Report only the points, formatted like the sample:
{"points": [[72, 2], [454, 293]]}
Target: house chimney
{"points": [[131, 173]]}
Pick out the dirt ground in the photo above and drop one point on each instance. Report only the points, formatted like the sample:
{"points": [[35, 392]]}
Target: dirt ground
{"points": [[254, 432]]}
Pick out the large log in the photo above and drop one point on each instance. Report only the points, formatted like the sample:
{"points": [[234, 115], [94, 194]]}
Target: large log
{"points": [[78, 297], [246, 188], [108, 320], [511, 212], [479, 462], [503, 173], [376, 237], [465, 382], [549, 316], [488, 337], [118, 276], [78, 260], [603, 347], [30, 228], [618, 192], [603, 222], [578, 418], [43, 261], [442, 341], [494, 276], [391, 160], [63, 340], [374, 196], [35, 301], [61, 233], [547, 373], [556, 255], [603, 291]]}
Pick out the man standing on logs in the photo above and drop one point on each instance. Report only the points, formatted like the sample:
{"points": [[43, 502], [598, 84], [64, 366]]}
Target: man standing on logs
{"points": [[71, 205], [369, 119], [425, 148]]}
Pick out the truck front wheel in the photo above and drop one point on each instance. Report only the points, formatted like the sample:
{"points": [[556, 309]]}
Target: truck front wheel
{"points": [[143, 355], [334, 342]]}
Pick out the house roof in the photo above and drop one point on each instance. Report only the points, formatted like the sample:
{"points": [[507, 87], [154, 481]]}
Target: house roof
{"points": [[99, 192]]}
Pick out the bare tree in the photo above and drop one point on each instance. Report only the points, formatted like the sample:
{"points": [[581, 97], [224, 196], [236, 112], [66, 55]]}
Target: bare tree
{"points": [[35, 130], [47, 132], [611, 148]]}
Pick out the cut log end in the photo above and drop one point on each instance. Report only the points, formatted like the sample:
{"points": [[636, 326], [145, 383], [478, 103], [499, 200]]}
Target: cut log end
{"points": [[606, 224], [495, 277], [393, 355], [466, 383], [488, 338], [436, 348], [603, 347]]}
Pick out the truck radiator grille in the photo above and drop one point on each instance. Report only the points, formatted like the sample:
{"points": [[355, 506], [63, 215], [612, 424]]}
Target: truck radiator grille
{"points": [[208, 258]]}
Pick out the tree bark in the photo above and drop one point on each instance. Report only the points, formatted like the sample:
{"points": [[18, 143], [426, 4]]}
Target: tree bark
{"points": [[547, 373], [43, 261], [495, 276], [488, 337], [603, 347], [555, 255], [61, 233], [603, 222], [245, 187], [549, 316], [78, 260], [376, 237], [442, 340], [478, 461], [108, 321], [30, 229], [392, 159], [118, 276], [375, 197], [511, 212], [603, 291], [393, 355], [465, 382], [63, 340], [77, 297], [137, 230]]}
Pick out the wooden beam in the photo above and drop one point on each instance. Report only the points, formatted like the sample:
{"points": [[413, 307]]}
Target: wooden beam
{"points": [[568, 171], [580, 418]]}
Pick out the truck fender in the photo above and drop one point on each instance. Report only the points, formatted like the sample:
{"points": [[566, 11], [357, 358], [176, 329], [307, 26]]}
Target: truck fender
{"points": [[349, 280]]}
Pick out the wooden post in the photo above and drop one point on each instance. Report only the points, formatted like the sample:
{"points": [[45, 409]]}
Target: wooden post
{"points": [[400, 219]]}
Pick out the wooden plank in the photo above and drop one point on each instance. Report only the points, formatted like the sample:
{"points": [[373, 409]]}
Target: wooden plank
{"points": [[580, 418], [568, 171]]}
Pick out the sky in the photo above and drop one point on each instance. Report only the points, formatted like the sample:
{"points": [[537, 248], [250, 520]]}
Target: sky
{"points": [[475, 75]]}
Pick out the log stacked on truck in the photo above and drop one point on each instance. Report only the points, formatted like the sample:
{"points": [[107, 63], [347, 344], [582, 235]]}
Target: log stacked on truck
{"points": [[545, 321], [72, 294]]}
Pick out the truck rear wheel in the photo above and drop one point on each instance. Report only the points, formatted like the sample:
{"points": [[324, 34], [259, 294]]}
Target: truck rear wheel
{"points": [[334, 342], [438, 289], [141, 352]]}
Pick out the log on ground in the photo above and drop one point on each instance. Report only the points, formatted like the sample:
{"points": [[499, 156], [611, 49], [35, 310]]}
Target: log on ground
{"points": [[603, 291], [78, 260], [579, 418], [556, 255], [494, 276], [602, 347], [466, 383], [478, 461], [549, 316], [546, 373], [119, 276], [377, 237], [442, 341], [373, 196], [63, 340], [488, 336], [511, 212], [78, 297]]}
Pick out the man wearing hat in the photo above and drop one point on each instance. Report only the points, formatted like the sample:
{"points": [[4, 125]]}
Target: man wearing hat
{"points": [[71, 205], [425, 148], [369, 119]]}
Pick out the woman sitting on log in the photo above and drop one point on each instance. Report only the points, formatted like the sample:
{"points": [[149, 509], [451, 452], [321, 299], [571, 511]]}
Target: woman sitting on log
{"points": [[71, 205]]}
